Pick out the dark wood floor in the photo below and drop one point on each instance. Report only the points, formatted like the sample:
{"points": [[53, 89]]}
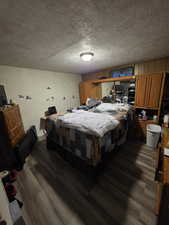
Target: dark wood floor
{"points": [[55, 193]]}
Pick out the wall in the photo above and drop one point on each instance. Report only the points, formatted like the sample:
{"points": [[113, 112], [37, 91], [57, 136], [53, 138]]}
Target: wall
{"points": [[157, 65], [35, 83]]}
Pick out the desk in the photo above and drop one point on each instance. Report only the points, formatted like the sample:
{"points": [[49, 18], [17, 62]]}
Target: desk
{"points": [[43, 120]]}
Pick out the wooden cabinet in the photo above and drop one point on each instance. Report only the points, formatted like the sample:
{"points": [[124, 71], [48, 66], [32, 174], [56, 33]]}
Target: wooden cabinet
{"points": [[11, 132], [148, 90], [92, 88], [13, 124], [141, 81], [141, 127], [88, 89]]}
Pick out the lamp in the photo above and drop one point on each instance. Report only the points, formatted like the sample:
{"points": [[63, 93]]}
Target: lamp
{"points": [[86, 56]]}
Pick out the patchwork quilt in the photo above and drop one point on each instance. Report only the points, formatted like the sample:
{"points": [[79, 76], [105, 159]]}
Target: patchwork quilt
{"points": [[88, 147]]}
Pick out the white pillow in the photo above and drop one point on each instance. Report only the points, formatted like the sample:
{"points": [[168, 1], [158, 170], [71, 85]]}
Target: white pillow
{"points": [[107, 107], [110, 107]]}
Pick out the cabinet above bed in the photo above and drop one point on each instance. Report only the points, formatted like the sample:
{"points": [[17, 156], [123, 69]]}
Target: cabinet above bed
{"points": [[92, 88], [89, 90], [125, 78]]}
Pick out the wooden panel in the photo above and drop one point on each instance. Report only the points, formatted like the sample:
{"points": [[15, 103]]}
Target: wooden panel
{"points": [[125, 78], [97, 75], [151, 66], [166, 169], [14, 124], [85, 89], [148, 90], [158, 65], [82, 92], [141, 82], [89, 90], [165, 139], [159, 189], [141, 127], [155, 90]]}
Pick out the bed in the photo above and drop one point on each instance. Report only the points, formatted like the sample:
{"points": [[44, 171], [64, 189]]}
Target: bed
{"points": [[88, 135]]}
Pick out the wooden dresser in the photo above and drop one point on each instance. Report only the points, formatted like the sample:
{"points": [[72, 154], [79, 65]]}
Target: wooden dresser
{"points": [[149, 90], [11, 132]]}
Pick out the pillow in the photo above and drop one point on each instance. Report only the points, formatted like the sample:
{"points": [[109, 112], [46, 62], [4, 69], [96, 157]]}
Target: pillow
{"points": [[116, 107], [107, 107]]}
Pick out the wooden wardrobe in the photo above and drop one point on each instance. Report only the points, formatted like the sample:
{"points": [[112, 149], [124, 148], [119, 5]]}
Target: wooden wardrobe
{"points": [[149, 94], [88, 89], [148, 90], [11, 132]]}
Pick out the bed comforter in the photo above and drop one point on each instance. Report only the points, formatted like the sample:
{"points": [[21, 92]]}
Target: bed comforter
{"points": [[88, 122], [87, 139]]}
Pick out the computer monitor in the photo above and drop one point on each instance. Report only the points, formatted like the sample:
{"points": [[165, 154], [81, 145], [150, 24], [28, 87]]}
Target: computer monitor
{"points": [[3, 98]]}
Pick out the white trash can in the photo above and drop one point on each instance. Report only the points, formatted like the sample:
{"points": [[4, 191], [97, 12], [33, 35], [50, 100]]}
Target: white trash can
{"points": [[153, 134]]}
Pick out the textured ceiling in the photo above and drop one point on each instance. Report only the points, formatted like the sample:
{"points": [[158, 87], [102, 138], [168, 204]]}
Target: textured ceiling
{"points": [[51, 34]]}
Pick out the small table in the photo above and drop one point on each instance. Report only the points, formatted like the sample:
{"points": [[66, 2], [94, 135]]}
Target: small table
{"points": [[43, 120]]}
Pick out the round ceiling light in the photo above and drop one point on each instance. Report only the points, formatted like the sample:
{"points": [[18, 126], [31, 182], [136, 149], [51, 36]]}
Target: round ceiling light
{"points": [[86, 56]]}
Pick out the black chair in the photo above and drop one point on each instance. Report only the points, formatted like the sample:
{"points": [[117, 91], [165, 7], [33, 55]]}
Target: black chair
{"points": [[52, 110]]}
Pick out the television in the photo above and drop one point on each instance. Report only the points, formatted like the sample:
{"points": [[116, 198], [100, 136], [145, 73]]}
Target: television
{"points": [[3, 98]]}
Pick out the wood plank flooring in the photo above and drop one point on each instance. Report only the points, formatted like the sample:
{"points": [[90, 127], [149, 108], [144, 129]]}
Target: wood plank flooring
{"points": [[55, 193]]}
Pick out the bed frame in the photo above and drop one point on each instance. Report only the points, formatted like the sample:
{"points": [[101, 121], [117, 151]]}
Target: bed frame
{"points": [[91, 171]]}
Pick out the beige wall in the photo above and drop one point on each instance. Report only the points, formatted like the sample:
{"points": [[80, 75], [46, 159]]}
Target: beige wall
{"points": [[34, 83], [157, 65]]}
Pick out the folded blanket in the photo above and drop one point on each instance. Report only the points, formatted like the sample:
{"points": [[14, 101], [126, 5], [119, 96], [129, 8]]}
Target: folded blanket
{"points": [[88, 122]]}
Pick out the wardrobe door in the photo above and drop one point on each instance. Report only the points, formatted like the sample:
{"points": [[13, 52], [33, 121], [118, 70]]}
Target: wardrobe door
{"points": [[85, 91], [141, 83], [89, 90], [155, 84], [82, 93]]}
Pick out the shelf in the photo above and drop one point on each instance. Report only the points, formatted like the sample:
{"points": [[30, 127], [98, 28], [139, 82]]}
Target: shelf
{"points": [[140, 107], [139, 119], [125, 78]]}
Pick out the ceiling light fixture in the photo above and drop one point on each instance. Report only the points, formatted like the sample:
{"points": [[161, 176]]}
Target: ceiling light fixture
{"points": [[86, 56]]}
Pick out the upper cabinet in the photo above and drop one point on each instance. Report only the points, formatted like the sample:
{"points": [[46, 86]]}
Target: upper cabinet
{"points": [[89, 90], [140, 97], [148, 90]]}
